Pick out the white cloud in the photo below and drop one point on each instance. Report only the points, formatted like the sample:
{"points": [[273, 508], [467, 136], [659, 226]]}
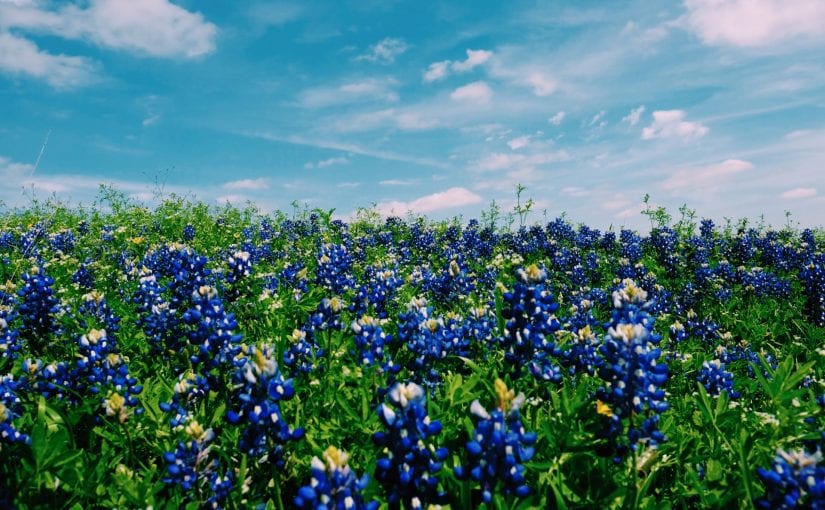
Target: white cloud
{"points": [[235, 199], [557, 118], [671, 124], [540, 84], [21, 56], [150, 120], [476, 92], [474, 59], [436, 71], [799, 193], [13, 171], [247, 184], [156, 28], [755, 23], [705, 179], [497, 161], [575, 191], [596, 118], [519, 142], [634, 116], [324, 163], [366, 90], [448, 199], [439, 70], [385, 51], [348, 185], [398, 182]]}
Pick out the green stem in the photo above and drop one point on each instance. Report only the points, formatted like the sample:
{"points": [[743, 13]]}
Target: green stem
{"points": [[278, 500]]}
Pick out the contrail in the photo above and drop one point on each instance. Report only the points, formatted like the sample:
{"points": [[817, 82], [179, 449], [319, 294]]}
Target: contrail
{"points": [[40, 156]]}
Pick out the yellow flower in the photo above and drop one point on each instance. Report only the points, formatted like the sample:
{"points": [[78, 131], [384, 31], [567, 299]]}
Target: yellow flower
{"points": [[603, 409]]}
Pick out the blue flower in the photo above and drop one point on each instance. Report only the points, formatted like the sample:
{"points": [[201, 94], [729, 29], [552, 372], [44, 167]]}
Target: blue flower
{"points": [[794, 481], [259, 389], [38, 309], [408, 471], [499, 446], [716, 379], [9, 409], [334, 485], [632, 375]]}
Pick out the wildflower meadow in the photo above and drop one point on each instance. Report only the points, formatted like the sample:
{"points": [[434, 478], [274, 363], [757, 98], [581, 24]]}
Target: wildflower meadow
{"points": [[186, 356]]}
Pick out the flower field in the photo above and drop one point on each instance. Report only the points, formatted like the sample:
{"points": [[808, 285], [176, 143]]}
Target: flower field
{"points": [[186, 357]]}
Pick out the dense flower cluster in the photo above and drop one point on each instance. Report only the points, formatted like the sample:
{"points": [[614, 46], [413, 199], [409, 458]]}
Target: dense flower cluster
{"points": [[9, 409], [409, 470], [716, 379], [499, 446], [529, 333], [633, 377], [334, 485], [260, 388], [38, 309], [796, 480]]}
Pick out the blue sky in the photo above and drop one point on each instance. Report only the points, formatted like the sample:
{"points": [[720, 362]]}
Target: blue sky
{"points": [[433, 109]]}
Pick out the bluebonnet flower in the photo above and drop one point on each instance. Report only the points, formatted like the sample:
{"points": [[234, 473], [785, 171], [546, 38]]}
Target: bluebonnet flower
{"points": [[632, 375], [812, 276], [370, 340], [796, 480], [99, 366], [450, 285], [190, 389], [409, 470], [188, 233], [326, 316], [9, 409], [259, 390], [764, 283], [84, 276], [190, 467], [531, 325], [95, 306], [499, 446], [38, 309], [334, 485], [240, 266], [9, 344], [373, 296], [303, 353], [156, 316], [7, 240], [334, 266], [213, 332], [295, 276], [430, 339], [54, 380], [63, 241], [715, 378]]}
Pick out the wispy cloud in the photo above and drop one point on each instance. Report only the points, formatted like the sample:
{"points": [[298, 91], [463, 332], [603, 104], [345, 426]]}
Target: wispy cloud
{"points": [[347, 147], [557, 118], [477, 92], [365, 90], [439, 70], [443, 200], [384, 51], [398, 182], [708, 178], [247, 184], [634, 116], [799, 193], [324, 163], [671, 124]]}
